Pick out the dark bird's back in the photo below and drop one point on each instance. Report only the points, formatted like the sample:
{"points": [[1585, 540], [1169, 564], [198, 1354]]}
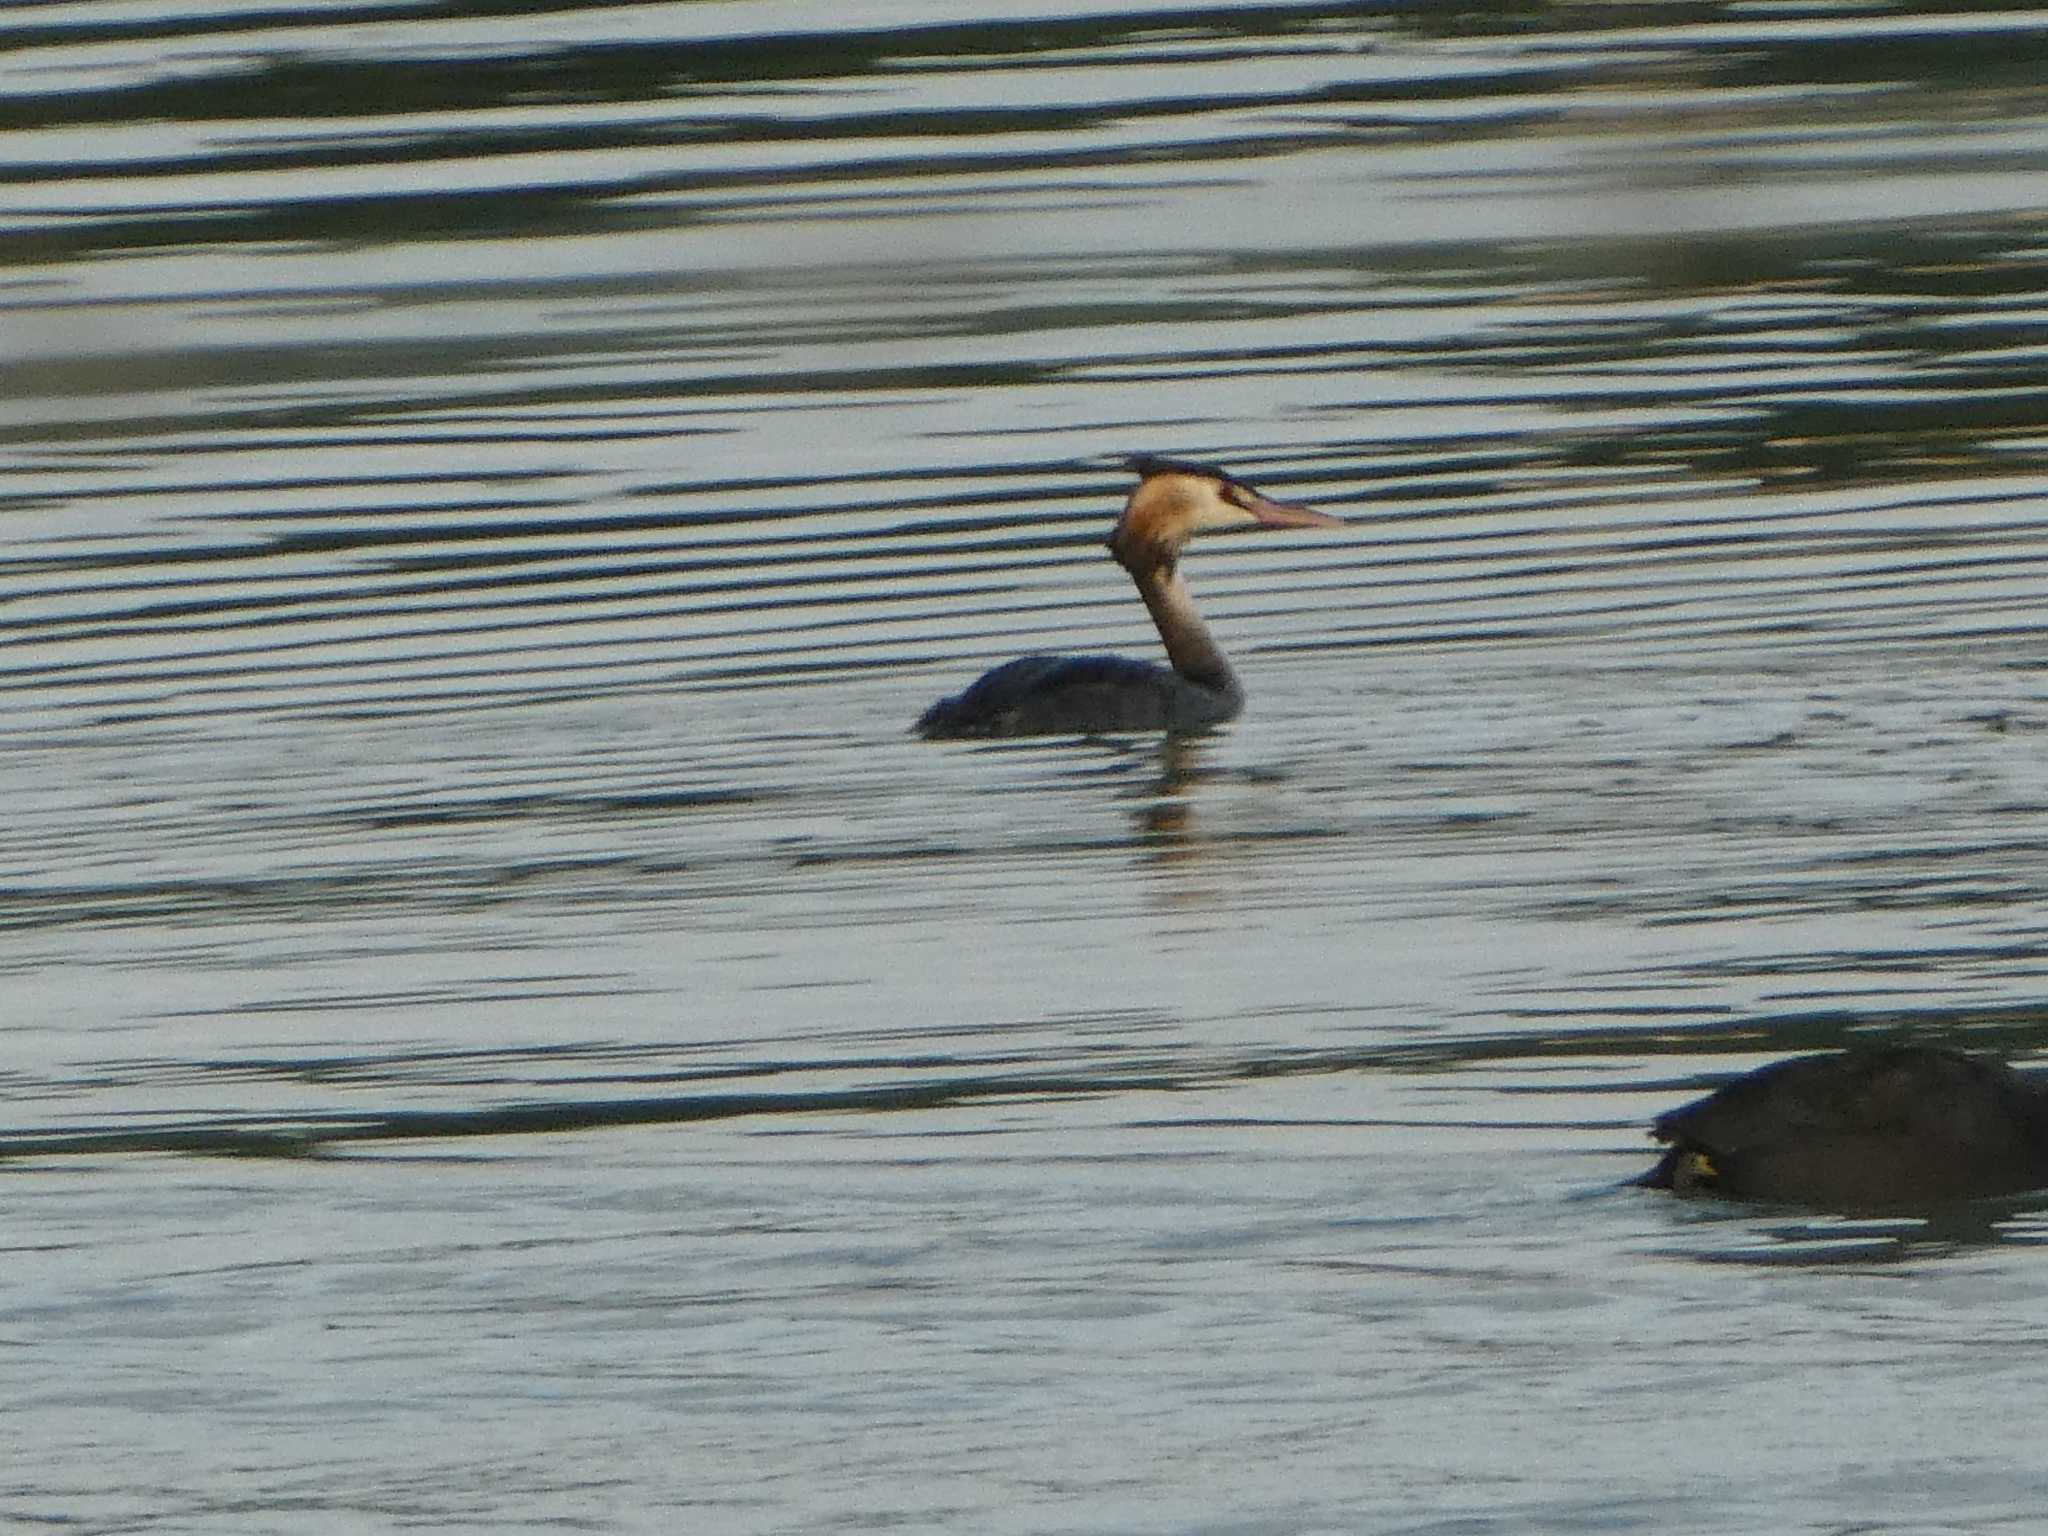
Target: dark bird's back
{"points": [[1863, 1129]]}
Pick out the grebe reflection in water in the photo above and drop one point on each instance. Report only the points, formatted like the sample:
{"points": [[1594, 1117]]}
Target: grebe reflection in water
{"points": [[1077, 695]]}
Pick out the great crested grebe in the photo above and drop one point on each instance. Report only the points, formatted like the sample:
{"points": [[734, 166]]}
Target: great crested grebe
{"points": [[1076, 695], [1872, 1128]]}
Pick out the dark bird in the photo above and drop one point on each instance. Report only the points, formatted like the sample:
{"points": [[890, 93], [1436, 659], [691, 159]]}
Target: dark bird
{"points": [[1874, 1128], [1077, 695]]}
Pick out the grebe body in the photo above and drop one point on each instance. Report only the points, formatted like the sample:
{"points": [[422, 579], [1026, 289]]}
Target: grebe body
{"points": [[1173, 502]]}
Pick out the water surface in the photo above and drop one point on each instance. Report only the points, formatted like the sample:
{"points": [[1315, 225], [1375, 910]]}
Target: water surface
{"points": [[509, 1025]]}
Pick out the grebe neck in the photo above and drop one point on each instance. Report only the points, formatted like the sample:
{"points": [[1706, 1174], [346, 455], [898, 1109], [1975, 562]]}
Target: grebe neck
{"points": [[1189, 646]]}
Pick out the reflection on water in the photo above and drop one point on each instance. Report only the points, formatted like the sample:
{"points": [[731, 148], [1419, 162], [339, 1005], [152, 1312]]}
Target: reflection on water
{"points": [[486, 494], [1756, 1240]]}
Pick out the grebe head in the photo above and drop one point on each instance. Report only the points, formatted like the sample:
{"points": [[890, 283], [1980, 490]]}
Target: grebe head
{"points": [[1175, 500]]}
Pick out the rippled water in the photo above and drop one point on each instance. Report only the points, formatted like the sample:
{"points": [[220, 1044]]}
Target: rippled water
{"points": [[508, 1025]]}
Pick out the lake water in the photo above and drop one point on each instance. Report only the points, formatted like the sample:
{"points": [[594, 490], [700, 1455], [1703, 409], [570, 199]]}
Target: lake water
{"points": [[507, 1026]]}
